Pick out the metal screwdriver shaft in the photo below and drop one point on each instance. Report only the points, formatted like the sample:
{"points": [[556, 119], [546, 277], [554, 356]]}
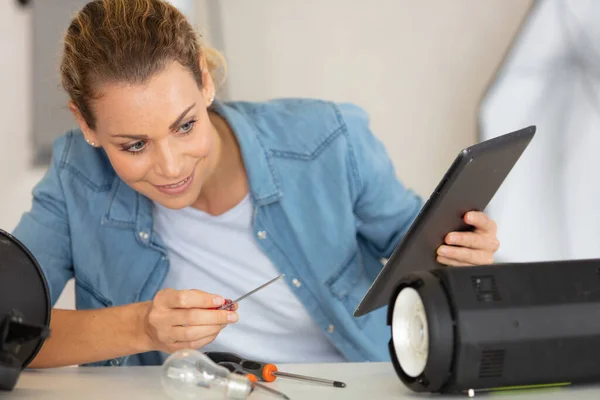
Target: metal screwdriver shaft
{"points": [[251, 292], [271, 390], [310, 378]]}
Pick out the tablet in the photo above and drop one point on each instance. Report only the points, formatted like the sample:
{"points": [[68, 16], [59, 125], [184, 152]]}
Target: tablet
{"points": [[468, 185]]}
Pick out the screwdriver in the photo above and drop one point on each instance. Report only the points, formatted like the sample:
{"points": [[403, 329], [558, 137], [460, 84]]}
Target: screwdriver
{"points": [[265, 371], [270, 373], [234, 367], [230, 303], [270, 390]]}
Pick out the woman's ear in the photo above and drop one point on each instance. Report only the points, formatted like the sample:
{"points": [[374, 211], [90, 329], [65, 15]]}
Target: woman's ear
{"points": [[88, 133], [208, 85]]}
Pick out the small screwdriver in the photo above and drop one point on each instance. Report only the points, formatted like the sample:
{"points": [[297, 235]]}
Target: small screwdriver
{"points": [[236, 368], [266, 372], [230, 303], [270, 373]]}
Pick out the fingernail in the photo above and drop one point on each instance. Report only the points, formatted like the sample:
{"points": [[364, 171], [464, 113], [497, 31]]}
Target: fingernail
{"points": [[218, 301], [232, 317], [442, 251], [451, 238]]}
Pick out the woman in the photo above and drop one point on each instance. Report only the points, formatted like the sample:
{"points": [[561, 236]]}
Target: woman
{"points": [[166, 201]]}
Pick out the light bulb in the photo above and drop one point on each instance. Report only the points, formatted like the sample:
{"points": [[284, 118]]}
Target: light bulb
{"points": [[189, 374]]}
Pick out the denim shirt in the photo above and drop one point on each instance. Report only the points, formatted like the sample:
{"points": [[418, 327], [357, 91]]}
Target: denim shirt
{"points": [[327, 208]]}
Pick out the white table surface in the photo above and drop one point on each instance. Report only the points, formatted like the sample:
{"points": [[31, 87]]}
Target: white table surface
{"points": [[371, 381]]}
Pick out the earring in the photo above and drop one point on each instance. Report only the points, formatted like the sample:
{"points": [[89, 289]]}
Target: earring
{"points": [[212, 98], [93, 144]]}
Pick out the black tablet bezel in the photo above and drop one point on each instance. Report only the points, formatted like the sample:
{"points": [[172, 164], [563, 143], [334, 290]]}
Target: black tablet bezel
{"points": [[381, 289]]}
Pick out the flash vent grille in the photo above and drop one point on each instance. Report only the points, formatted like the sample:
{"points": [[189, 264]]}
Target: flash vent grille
{"points": [[492, 363]]}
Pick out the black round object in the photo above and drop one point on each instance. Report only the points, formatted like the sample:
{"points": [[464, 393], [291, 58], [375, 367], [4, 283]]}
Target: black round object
{"points": [[440, 324], [24, 289]]}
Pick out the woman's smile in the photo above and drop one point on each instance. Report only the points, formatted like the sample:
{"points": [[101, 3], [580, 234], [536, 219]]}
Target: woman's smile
{"points": [[178, 187]]}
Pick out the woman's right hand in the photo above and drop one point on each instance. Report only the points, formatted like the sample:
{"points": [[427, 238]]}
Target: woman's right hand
{"points": [[185, 319]]}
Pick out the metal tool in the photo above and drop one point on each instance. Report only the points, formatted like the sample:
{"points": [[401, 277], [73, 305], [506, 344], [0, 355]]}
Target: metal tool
{"points": [[271, 390], [265, 372], [237, 368], [226, 305], [310, 378]]}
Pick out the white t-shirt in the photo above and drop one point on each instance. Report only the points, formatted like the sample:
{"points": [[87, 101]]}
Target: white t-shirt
{"points": [[218, 254]]}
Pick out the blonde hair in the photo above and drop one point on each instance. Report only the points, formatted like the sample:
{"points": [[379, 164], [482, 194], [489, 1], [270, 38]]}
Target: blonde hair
{"points": [[129, 41]]}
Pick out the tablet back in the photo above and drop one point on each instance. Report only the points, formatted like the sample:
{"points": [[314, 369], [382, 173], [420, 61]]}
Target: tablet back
{"points": [[469, 185]]}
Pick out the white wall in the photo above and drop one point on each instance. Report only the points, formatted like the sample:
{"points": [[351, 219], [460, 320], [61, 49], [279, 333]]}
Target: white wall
{"points": [[419, 68], [550, 81], [17, 178], [14, 81]]}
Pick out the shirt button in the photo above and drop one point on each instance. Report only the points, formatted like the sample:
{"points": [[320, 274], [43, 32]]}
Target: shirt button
{"points": [[296, 282], [114, 363], [330, 328], [164, 258], [262, 235], [144, 235]]}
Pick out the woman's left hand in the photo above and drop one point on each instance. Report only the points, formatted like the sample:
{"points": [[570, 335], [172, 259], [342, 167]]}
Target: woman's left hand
{"points": [[471, 248]]}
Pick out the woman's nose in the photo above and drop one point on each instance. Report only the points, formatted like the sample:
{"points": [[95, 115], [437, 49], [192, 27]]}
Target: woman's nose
{"points": [[168, 163]]}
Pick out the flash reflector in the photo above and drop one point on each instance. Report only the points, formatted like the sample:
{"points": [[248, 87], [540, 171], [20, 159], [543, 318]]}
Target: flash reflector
{"points": [[25, 309], [410, 332], [460, 330]]}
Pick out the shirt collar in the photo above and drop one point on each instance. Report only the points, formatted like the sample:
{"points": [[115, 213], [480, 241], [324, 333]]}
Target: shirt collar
{"points": [[262, 174]]}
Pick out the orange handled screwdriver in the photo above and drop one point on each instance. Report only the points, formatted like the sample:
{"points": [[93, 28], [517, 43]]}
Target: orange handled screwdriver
{"points": [[234, 367], [266, 372], [269, 373]]}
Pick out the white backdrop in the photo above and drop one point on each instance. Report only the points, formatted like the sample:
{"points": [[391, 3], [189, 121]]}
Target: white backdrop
{"points": [[549, 207]]}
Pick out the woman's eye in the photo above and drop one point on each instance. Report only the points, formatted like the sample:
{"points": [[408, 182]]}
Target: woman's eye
{"points": [[187, 127], [137, 147]]}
